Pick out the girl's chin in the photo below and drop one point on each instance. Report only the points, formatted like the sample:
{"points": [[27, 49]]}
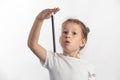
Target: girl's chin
{"points": [[68, 50]]}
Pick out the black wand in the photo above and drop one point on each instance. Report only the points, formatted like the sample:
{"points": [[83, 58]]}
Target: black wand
{"points": [[53, 33]]}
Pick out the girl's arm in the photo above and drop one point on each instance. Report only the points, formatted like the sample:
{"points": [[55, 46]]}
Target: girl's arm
{"points": [[36, 48]]}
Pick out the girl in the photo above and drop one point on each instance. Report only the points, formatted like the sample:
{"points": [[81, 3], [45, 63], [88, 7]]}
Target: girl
{"points": [[68, 65]]}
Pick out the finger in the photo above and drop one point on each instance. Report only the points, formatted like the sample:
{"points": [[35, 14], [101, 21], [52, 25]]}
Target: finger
{"points": [[55, 10]]}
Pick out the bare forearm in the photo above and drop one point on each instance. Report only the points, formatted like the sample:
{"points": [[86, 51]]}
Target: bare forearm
{"points": [[35, 32], [37, 49]]}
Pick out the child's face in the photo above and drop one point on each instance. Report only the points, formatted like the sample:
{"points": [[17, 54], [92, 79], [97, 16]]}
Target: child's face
{"points": [[71, 37]]}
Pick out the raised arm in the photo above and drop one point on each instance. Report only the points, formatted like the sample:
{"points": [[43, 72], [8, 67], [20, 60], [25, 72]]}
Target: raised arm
{"points": [[36, 48]]}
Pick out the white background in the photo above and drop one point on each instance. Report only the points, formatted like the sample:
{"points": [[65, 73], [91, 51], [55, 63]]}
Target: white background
{"points": [[17, 62]]}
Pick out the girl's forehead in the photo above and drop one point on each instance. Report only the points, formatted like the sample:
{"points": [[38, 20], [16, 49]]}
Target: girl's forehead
{"points": [[71, 25]]}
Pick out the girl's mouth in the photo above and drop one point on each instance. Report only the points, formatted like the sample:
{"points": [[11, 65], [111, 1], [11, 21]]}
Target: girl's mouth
{"points": [[67, 41]]}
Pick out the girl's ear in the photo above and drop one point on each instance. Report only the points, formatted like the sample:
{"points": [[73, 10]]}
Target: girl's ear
{"points": [[82, 42]]}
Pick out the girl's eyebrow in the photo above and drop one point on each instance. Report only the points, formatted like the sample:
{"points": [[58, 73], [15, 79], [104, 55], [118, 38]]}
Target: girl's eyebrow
{"points": [[71, 30], [64, 29]]}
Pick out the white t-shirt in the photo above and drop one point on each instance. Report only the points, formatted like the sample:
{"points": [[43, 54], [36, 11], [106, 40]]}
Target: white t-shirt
{"points": [[62, 67]]}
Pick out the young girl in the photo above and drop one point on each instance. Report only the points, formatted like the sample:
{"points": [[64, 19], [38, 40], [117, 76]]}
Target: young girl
{"points": [[68, 65]]}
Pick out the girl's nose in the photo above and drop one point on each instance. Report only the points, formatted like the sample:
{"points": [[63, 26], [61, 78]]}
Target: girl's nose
{"points": [[68, 36]]}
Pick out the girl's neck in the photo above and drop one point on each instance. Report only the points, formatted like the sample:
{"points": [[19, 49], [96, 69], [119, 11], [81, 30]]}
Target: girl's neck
{"points": [[71, 54]]}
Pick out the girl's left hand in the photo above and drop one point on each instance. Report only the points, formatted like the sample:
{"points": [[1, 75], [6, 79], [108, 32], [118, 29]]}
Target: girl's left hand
{"points": [[46, 14]]}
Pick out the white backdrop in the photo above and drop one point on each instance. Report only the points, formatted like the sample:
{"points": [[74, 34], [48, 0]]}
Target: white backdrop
{"points": [[17, 62]]}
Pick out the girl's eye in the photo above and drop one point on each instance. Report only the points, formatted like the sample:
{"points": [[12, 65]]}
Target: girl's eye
{"points": [[65, 32], [74, 33]]}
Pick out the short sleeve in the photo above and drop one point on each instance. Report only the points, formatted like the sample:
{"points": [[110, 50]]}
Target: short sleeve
{"points": [[91, 72], [49, 59]]}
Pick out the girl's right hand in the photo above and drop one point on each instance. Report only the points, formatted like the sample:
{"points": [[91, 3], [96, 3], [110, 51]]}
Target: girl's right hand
{"points": [[46, 13]]}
